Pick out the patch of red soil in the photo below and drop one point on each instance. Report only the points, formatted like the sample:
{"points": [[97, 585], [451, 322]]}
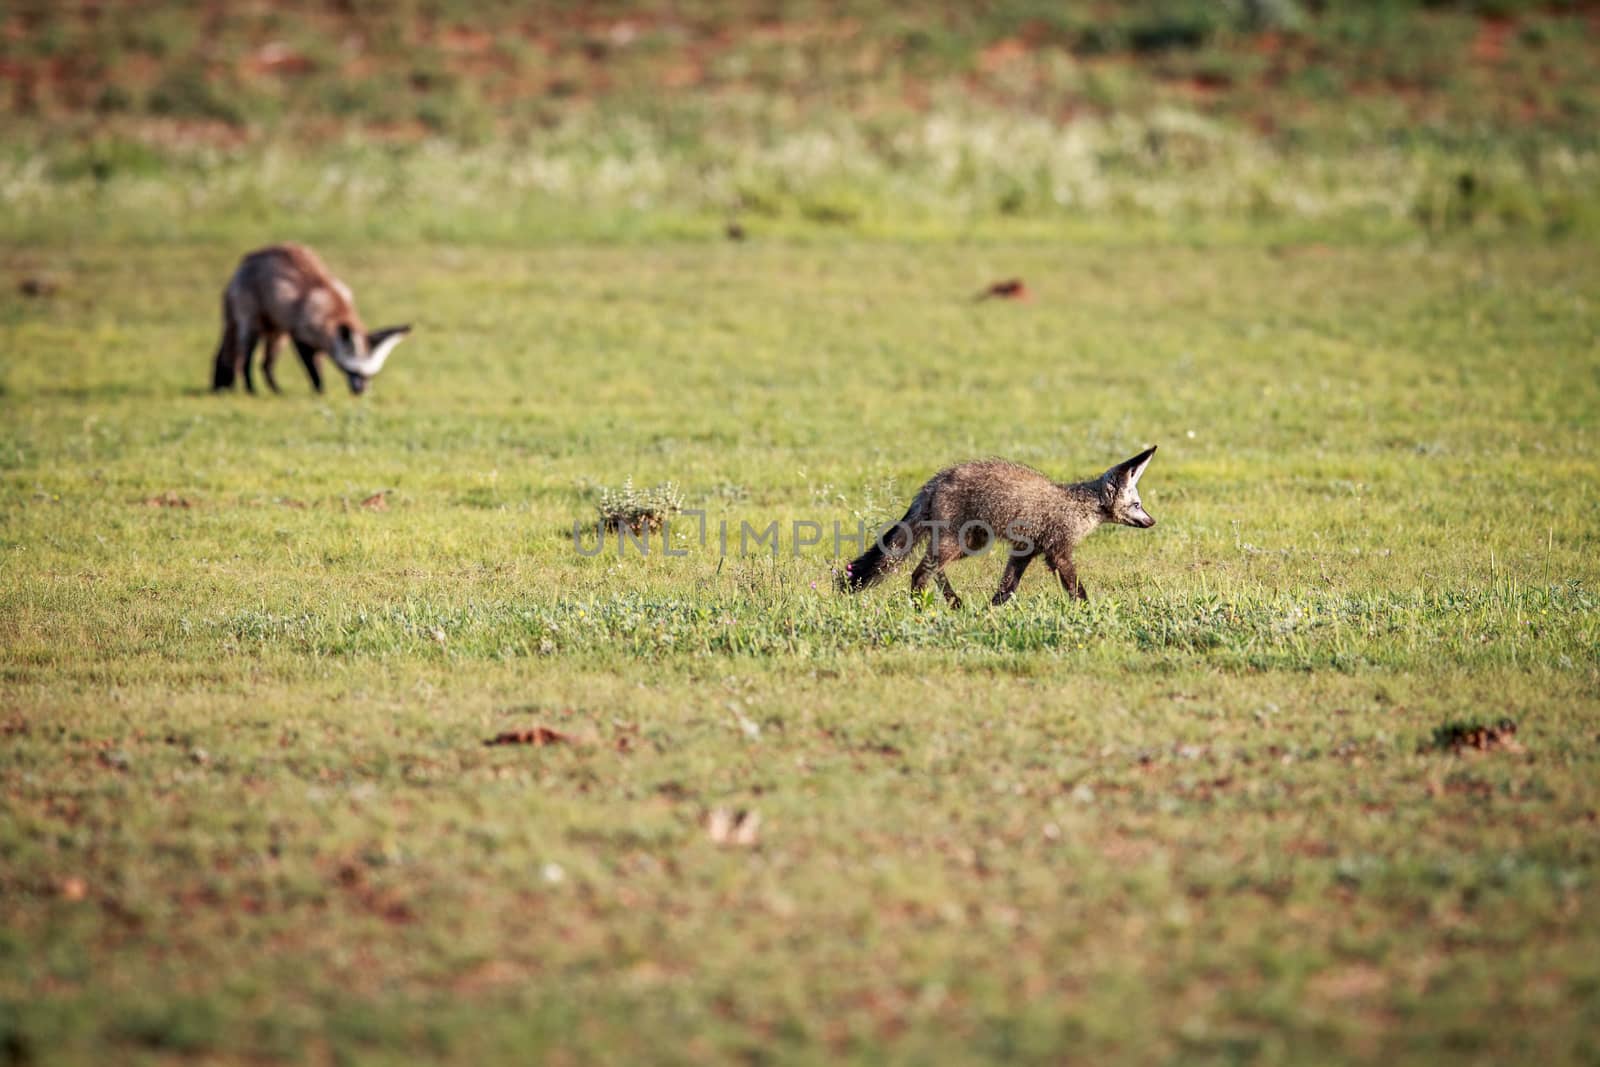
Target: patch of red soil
{"points": [[405, 131], [1203, 88], [1002, 53], [277, 58], [465, 41], [1490, 44], [682, 75]]}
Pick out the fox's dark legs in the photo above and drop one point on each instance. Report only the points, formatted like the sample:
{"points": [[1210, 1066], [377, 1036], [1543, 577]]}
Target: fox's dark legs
{"points": [[1062, 565], [929, 568], [244, 353], [1015, 566], [269, 353], [308, 356], [941, 552]]}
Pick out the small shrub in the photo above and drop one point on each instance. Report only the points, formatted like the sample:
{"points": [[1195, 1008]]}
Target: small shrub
{"points": [[640, 510], [1182, 28], [109, 158], [758, 197], [186, 93], [834, 206], [1473, 198], [1013, 199], [185, 1026], [457, 113], [16, 1044], [381, 99], [1319, 80], [113, 98], [1285, 15]]}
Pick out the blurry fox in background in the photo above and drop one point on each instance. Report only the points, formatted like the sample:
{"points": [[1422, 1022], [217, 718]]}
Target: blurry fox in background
{"points": [[962, 508], [286, 290]]}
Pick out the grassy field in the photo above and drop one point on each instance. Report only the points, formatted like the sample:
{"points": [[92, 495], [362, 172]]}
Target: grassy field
{"points": [[456, 122], [249, 811], [1250, 804]]}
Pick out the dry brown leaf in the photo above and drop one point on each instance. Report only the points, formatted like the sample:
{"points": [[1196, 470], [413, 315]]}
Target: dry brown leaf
{"points": [[1462, 737], [538, 736], [1009, 289]]}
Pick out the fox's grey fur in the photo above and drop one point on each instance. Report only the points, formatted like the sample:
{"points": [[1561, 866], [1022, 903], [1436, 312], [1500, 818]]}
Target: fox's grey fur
{"points": [[963, 507], [285, 290]]}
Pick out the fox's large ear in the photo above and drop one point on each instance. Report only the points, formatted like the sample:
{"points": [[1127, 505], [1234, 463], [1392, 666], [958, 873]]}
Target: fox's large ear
{"points": [[378, 337], [381, 342], [1130, 470]]}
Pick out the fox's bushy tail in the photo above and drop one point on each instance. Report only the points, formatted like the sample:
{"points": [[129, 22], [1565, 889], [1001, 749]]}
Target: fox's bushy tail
{"points": [[222, 372], [887, 551]]}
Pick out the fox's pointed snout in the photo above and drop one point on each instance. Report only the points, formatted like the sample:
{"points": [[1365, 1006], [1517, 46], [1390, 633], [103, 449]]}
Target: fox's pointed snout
{"points": [[1136, 516]]}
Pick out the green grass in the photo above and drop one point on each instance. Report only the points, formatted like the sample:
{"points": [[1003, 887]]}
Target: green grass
{"points": [[1336, 260], [249, 814], [961, 175]]}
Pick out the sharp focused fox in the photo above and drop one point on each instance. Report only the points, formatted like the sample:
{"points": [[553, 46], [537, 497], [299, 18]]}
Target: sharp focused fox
{"points": [[963, 508], [285, 290]]}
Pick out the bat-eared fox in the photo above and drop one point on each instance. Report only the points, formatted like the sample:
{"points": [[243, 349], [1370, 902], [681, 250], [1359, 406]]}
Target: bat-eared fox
{"points": [[963, 508], [286, 289]]}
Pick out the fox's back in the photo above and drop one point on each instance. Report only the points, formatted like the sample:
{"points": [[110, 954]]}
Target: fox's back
{"points": [[279, 281], [291, 263], [1005, 496]]}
